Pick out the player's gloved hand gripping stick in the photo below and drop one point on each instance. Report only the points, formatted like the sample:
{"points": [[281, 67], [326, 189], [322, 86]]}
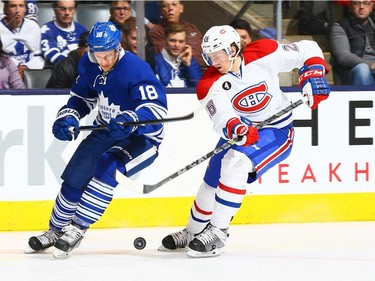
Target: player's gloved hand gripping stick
{"points": [[147, 188]]}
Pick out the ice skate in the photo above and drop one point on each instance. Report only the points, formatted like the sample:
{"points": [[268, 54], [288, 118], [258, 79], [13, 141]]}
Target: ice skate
{"points": [[71, 238], [176, 241], [42, 242], [208, 243]]}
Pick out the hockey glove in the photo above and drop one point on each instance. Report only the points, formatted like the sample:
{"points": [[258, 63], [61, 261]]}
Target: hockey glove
{"points": [[117, 130], [67, 120], [246, 135], [314, 85]]}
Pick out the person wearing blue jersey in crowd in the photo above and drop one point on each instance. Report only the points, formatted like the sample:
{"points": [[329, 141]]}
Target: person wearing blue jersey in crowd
{"points": [[61, 35], [32, 10], [124, 89], [175, 65]]}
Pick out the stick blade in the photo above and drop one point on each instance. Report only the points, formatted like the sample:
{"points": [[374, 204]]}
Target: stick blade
{"points": [[128, 183]]}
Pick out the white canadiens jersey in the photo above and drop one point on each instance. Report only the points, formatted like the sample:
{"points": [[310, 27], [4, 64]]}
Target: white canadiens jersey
{"points": [[254, 93], [23, 45]]}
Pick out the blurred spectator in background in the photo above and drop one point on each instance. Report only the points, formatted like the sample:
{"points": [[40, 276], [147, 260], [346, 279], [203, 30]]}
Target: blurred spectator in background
{"points": [[171, 11], [9, 76], [175, 65], [353, 45], [129, 41], [121, 10], [152, 11], [61, 35], [32, 10], [243, 28], [65, 72], [20, 37]]}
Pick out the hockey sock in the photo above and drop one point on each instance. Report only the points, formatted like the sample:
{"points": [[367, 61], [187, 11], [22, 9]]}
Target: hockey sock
{"points": [[65, 206], [232, 187], [201, 211], [227, 202], [94, 202]]}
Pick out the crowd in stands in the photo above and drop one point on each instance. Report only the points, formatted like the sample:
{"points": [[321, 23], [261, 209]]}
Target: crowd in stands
{"points": [[172, 44]]}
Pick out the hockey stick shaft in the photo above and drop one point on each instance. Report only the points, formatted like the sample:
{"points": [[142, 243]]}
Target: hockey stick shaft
{"points": [[123, 180], [150, 122], [138, 123]]}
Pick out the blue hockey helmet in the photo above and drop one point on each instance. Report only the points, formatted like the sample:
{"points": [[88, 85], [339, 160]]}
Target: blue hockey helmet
{"points": [[104, 36]]}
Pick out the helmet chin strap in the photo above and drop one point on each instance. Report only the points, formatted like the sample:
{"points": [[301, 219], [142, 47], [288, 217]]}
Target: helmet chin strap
{"points": [[232, 60], [231, 63]]}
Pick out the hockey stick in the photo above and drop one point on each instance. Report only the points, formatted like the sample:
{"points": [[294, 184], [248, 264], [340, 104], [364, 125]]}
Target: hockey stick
{"points": [[139, 123], [147, 188], [149, 122]]}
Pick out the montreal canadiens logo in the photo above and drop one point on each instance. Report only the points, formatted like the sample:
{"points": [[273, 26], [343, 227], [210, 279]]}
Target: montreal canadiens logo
{"points": [[252, 99]]}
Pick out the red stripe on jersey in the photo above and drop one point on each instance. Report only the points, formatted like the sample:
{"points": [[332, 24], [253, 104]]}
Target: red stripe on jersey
{"points": [[259, 49], [278, 152], [317, 60], [199, 210], [205, 83], [231, 189]]}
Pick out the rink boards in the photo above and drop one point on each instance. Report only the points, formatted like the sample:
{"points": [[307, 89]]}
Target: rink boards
{"points": [[328, 177]]}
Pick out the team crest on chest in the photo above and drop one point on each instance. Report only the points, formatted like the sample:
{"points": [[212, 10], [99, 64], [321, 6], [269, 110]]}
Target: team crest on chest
{"points": [[252, 99]]}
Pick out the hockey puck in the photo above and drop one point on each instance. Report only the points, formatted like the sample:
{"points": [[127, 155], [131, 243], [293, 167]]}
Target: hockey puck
{"points": [[139, 243]]}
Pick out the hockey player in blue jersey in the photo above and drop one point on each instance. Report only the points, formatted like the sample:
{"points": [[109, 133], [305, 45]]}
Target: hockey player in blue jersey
{"points": [[124, 89], [61, 35]]}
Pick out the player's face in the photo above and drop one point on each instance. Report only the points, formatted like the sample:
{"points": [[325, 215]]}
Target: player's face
{"points": [[176, 43], [64, 12], [121, 11], [171, 10], [16, 10], [220, 60], [106, 59]]}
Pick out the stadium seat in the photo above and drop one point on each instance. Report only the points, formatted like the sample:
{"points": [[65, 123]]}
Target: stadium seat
{"points": [[45, 13], [88, 14], [36, 78]]}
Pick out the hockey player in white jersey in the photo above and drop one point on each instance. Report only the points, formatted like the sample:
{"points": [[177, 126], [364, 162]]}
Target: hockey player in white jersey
{"points": [[243, 89], [125, 89]]}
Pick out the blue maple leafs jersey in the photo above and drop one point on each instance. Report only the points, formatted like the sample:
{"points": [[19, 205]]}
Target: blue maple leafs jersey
{"points": [[57, 42], [130, 85]]}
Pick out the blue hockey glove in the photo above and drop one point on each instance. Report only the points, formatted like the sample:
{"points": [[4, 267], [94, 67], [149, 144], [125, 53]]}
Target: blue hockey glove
{"points": [[314, 84], [246, 134], [117, 130], [67, 120]]}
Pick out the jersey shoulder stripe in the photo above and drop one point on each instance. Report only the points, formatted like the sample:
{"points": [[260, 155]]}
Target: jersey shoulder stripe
{"points": [[205, 83], [259, 49]]}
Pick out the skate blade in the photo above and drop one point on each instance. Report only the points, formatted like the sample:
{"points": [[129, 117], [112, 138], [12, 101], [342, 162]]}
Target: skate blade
{"points": [[58, 254], [163, 249], [30, 250], [209, 254]]}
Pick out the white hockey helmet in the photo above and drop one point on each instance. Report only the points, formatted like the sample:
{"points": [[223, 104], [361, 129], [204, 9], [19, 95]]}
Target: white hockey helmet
{"points": [[220, 37]]}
